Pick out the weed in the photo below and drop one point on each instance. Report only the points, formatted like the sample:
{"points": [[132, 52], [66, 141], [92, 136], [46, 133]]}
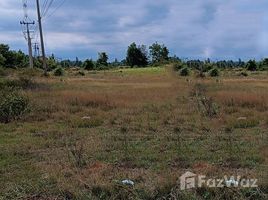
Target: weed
{"points": [[86, 123], [125, 143], [12, 105], [208, 107], [177, 132], [244, 123], [76, 154]]}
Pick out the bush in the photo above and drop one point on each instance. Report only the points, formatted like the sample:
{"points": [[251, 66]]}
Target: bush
{"points": [[81, 73], [12, 105], [243, 74], [2, 72], [252, 65], [20, 83], [207, 67], [89, 65], [59, 71], [185, 71], [214, 72], [207, 106], [177, 66]]}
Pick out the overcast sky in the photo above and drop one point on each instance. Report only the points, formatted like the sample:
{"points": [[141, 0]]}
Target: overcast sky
{"points": [[219, 29]]}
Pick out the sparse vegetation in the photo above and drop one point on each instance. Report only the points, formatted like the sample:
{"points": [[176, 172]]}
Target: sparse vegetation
{"points": [[79, 136], [85, 135]]}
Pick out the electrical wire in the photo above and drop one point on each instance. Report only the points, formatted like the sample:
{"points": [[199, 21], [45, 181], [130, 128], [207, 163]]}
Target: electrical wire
{"points": [[44, 7], [58, 7], [47, 8]]}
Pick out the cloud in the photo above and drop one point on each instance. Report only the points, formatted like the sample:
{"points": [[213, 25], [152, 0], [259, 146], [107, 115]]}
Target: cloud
{"points": [[194, 29]]}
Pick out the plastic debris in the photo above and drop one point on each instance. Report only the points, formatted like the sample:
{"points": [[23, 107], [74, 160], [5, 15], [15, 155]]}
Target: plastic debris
{"points": [[128, 182]]}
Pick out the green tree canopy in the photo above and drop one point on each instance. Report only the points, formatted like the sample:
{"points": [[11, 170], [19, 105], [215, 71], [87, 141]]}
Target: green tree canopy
{"points": [[2, 60], [158, 52], [136, 55], [252, 65], [89, 64], [12, 58], [103, 59]]}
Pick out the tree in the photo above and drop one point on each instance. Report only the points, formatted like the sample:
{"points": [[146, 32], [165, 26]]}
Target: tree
{"points": [[158, 52], [115, 63], [136, 55], [2, 60], [78, 63], [51, 62], [89, 64], [265, 61], [4, 50], [12, 58], [264, 64], [252, 65], [21, 59], [103, 59], [4, 54]]}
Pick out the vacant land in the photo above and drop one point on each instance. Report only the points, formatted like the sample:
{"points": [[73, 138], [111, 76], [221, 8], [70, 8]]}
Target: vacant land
{"points": [[85, 134]]}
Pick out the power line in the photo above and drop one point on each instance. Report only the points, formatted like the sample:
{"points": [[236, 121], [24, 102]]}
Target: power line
{"points": [[54, 11], [44, 7]]}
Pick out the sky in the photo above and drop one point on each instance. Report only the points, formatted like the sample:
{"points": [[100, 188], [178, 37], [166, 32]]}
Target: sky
{"points": [[191, 29]]}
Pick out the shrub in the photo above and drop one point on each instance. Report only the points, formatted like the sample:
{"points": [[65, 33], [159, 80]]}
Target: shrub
{"points": [[185, 71], [252, 65], [21, 82], [214, 72], [244, 74], [81, 73], [2, 72], [208, 107], [207, 67], [59, 71], [177, 66], [200, 74], [89, 65], [12, 105]]}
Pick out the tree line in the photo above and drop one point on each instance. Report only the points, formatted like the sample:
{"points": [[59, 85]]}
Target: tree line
{"points": [[136, 56]]}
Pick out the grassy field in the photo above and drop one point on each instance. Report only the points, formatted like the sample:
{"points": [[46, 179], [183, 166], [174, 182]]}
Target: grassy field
{"points": [[85, 134]]}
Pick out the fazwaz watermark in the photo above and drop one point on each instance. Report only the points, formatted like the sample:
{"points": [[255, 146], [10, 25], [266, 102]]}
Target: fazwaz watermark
{"points": [[190, 180]]}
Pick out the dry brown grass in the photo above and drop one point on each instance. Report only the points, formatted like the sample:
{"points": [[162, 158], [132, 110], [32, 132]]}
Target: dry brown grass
{"points": [[244, 99], [131, 132]]}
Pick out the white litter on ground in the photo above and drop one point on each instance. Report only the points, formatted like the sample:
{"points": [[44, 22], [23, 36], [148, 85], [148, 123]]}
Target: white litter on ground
{"points": [[128, 182]]}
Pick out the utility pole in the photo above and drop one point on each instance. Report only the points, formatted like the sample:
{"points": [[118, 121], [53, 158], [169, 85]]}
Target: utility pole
{"points": [[29, 39], [41, 37], [36, 50]]}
